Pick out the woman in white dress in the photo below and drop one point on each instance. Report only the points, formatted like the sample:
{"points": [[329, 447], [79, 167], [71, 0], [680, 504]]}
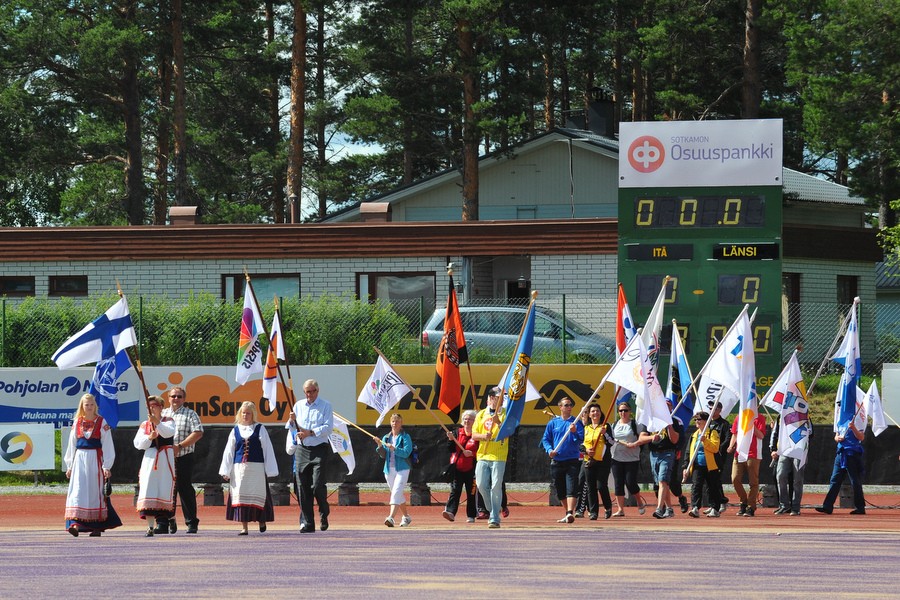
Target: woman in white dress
{"points": [[246, 462], [89, 457], [156, 437]]}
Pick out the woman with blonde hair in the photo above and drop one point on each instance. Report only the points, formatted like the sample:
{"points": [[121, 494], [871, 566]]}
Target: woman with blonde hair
{"points": [[397, 447], [89, 457], [246, 462], [156, 491]]}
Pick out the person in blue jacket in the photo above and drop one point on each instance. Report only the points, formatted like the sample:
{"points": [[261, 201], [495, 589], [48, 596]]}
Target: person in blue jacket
{"points": [[397, 447], [847, 462], [562, 441]]}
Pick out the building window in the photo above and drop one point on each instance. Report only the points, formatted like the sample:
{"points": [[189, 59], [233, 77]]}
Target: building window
{"points": [[68, 285], [847, 289], [265, 287], [403, 290], [790, 306], [17, 286], [526, 213]]}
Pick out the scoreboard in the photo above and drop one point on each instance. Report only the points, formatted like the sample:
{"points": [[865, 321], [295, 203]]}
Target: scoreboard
{"points": [[720, 246]]}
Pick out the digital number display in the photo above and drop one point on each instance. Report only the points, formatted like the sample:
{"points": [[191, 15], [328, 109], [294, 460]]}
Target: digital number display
{"points": [[762, 337], [699, 211], [738, 290], [665, 337], [648, 289]]}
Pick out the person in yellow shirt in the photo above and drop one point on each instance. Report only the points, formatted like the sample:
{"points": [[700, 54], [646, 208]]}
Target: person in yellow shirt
{"points": [[703, 468], [597, 461], [491, 455]]}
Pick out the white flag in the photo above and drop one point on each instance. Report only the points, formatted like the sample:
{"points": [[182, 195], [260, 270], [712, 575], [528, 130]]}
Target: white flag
{"points": [[383, 390], [101, 339], [340, 443], [788, 396], [874, 409], [633, 371], [275, 352], [653, 328], [249, 349], [727, 376]]}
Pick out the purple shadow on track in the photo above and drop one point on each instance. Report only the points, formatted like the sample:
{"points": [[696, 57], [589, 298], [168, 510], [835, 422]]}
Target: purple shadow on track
{"points": [[436, 563]]}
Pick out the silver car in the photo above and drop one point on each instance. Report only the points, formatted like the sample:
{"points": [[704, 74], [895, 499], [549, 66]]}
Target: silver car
{"points": [[494, 330]]}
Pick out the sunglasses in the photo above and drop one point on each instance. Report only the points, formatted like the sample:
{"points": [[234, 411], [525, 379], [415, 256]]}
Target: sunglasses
{"points": [[624, 410]]}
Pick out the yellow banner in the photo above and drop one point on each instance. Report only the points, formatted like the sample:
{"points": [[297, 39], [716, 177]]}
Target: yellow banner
{"points": [[552, 381]]}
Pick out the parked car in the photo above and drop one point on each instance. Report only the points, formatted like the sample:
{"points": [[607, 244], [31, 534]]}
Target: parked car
{"points": [[495, 329]]}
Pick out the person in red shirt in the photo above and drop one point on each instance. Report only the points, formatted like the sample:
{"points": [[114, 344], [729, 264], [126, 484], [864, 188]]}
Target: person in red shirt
{"points": [[750, 467], [464, 471]]}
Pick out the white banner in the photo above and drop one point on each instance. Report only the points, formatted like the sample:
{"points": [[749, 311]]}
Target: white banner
{"points": [[700, 153], [26, 447]]}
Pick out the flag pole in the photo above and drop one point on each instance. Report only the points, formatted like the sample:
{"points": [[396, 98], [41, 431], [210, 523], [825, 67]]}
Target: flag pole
{"points": [[136, 361], [289, 389], [842, 329], [417, 397], [352, 424], [268, 339], [509, 367]]}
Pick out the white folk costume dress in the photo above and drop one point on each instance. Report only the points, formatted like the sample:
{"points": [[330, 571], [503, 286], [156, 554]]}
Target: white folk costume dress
{"points": [[90, 450], [247, 460], [156, 497]]}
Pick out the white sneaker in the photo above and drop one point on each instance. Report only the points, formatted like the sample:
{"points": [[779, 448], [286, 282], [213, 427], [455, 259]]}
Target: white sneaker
{"points": [[405, 521], [470, 519], [713, 514], [389, 522], [694, 512]]}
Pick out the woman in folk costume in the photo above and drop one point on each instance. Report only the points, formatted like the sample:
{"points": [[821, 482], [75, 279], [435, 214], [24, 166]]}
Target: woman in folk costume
{"points": [[89, 457], [156, 438], [246, 462]]}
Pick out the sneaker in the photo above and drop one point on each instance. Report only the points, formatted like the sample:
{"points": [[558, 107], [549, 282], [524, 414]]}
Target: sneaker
{"points": [[713, 514], [619, 513], [470, 519], [795, 513], [670, 512], [694, 512], [684, 503], [657, 514], [723, 507], [858, 511], [781, 511], [173, 526], [449, 516], [750, 512], [743, 510], [569, 518], [579, 514], [593, 516], [482, 515], [707, 511], [493, 525], [607, 514], [389, 522], [405, 521], [642, 508], [504, 512]]}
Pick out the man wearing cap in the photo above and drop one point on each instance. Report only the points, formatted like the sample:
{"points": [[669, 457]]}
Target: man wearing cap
{"points": [[663, 445], [562, 441], [703, 468], [491, 455]]}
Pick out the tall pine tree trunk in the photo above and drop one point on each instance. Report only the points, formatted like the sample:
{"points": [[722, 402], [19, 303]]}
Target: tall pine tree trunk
{"points": [[278, 183], [321, 115], [298, 110], [164, 108], [467, 53], [751, 96], [131, 106], [179, 119]]}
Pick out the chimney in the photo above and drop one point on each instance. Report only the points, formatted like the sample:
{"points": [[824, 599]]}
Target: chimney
{"points": [[375, 212], [182, 216], [601, 115]]}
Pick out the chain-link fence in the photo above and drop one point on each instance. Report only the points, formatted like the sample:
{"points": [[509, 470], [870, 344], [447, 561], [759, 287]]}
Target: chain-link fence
{"points": [[343, 330]]}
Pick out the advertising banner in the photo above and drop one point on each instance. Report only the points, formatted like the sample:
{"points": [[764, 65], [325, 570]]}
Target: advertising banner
{"points": [[26, 447], [700, 153]]}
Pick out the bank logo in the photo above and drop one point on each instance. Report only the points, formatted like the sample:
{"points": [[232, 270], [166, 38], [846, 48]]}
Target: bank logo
{"points": [[16, 447], [646, 154]]}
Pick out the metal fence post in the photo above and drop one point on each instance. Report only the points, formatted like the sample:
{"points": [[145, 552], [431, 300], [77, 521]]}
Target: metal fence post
{"points": [[563, 332], [3, 333], [140, 338], [421, 327]]}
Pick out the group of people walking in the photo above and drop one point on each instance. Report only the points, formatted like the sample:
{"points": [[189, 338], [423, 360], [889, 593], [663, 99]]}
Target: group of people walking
{"points": [[582, 452]]}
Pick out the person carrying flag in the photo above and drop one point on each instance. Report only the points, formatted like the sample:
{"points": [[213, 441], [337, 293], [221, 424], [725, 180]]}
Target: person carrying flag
{"points": [[847, 462], [311, 423], [704, 470], [750, 467], [565, 460], [491, 456]]}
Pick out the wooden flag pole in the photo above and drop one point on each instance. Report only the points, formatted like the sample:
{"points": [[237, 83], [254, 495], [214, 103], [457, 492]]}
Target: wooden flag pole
{"points": [[289, 389], [468, 363], [136, 361], [842, 329], [352, 424], [417, 397]]}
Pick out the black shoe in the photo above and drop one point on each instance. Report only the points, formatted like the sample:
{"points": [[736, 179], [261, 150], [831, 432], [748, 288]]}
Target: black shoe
{"points": [[94, 534], [173, 527], [579, 514], [743, 510], [191, 528], [684, 504], [73, 529], [822, 509], [858, 511], [149, 532], [262, 527], [162, 529], [323, 523], [750, 512], [781, 511], [307, 529], [607, 514]]}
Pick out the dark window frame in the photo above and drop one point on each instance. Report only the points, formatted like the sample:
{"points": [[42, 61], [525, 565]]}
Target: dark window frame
{"points": [[8, 282], [56, 288]]}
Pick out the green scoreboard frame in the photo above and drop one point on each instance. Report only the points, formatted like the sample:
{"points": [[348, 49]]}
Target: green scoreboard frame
{"points": [[721, 248]]}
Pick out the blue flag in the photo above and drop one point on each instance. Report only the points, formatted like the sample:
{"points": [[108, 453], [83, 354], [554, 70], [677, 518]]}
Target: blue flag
{"points": [[104, 386], [848, 355], [679, 383], [516, 384]]}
